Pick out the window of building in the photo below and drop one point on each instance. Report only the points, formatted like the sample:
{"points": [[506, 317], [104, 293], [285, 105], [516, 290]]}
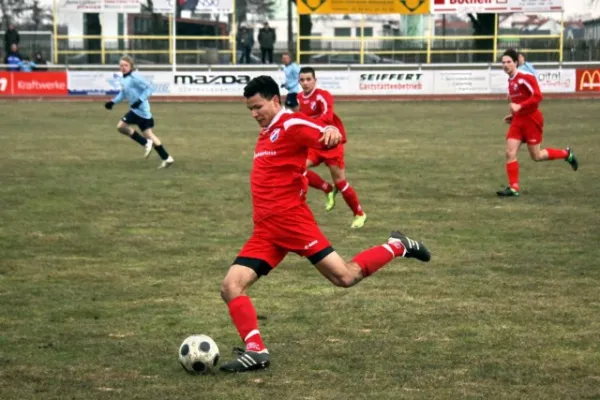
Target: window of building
{"points": [[343, 32]]}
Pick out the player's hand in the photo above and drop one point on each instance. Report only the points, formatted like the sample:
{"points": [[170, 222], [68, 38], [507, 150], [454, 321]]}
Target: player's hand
{"points": [[109, 105], [283, 86], [331, 136], [515, 108], [136, 104], [508, 119]]}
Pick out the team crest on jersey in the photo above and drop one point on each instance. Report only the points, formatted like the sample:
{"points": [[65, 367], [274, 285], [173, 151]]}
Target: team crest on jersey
{"points": [[313, 105], [274, 135], [516, 87]]}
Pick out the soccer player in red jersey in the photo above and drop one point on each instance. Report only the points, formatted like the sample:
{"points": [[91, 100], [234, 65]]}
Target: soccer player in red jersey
{"points": [[526, 123], [284, 223], [318, 103]]}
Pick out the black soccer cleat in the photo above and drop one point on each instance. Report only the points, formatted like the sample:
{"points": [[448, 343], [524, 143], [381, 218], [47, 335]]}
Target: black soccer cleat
{"points": [[247, 361], [571, 159], [413, 249], [508, 192]]}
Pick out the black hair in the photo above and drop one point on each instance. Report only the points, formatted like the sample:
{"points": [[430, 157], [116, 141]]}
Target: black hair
{"points": [[263, 85], [512, 53], [308, 70]]}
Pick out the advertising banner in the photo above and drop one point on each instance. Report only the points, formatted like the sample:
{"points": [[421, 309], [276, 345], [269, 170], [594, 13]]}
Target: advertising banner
{"points": [[461, 82], [35, 83], [588, 80], [5, 84], [207, 6], [122, 6], [226, 83], [550, 81], [101, 83], [363, 6], [495, 6], [394, 82], [556, 80], [90, 6]]}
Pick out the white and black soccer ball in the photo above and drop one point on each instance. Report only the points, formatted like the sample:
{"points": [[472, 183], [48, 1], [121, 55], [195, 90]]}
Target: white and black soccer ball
{"points": [[198, 354]]}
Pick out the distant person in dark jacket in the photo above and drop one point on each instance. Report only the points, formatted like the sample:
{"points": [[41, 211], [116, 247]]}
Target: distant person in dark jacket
{"points": [[266, 39], [245, 42], [40, 62], [13, 58], [11, 36]]}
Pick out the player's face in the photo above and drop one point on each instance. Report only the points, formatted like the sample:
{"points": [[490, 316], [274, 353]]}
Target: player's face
{"points": [[521, 59], [308, 82], [125, 67], [508, 65], [286, 59], [263, 110]]}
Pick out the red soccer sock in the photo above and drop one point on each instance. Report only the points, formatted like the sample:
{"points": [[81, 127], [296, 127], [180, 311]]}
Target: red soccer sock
{"points": [[557, 154], [371, 260], [512, 170], [244, 318], [315, 181], [349, 196]]}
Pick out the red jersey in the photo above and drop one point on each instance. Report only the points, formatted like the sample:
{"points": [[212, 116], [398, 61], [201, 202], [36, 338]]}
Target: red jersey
{"points": [[318, 104], [277, 182], [523, 89]]}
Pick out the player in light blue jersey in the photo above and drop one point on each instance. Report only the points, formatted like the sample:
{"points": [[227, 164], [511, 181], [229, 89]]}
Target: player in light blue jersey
{"points": [[292, 84], [136, 91], [525, 66]]}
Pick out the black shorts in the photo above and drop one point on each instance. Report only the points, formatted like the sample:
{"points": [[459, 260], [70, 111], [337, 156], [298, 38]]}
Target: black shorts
{"points": [[132, 118], [291, 100]]}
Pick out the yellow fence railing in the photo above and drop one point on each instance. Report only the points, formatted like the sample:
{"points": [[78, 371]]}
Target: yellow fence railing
{"points": [[360, 43]]}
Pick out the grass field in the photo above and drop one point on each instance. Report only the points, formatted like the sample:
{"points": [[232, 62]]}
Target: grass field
{"points": [[107, 264]]}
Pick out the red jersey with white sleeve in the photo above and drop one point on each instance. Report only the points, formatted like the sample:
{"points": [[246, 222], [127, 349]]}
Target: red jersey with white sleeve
{"points": [[523, 89], [318, 104], [277, 179]]}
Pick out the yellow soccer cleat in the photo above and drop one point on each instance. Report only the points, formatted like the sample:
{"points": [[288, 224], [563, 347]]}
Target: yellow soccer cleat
{"points": [[330, 203], [359, 221]]}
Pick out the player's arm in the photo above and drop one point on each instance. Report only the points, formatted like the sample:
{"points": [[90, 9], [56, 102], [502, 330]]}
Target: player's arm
{"points": [[325, 100], [115, 100], [536, 94], [313, 134]]}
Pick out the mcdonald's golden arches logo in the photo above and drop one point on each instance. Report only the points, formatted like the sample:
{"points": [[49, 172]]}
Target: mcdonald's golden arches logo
{"points": [[363, 6], [588, 80]]}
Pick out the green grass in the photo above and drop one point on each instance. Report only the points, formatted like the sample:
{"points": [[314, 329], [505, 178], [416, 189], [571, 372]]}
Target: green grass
{"points": [[107, 264]]}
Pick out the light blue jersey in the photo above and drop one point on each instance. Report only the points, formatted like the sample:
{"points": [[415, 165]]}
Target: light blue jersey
{"points": [[292, 76], [134, 88], [528, 67], [27, 66]]}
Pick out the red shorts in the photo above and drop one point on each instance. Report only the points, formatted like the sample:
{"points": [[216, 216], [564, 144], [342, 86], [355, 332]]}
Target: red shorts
{"points": [[294, 230], [528, 129], [333, 156]]}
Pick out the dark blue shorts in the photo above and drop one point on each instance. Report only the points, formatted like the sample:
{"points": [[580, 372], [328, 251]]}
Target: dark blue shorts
{"points": [[132, 118], [291, 100]]}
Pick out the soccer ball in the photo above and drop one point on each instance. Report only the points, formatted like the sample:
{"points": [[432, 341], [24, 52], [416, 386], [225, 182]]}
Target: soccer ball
{"points": [[198, 354]]}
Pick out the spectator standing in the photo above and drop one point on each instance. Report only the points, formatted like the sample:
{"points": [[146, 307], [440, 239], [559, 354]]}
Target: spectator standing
{"points": [[11, 36], [245, 42], [266, 39]]}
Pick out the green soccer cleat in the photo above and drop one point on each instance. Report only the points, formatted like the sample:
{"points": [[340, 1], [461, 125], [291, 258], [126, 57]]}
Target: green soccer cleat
{"points": [[330, 204], [508, 192], [572, 160], [247, 361], [359, 221]]}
